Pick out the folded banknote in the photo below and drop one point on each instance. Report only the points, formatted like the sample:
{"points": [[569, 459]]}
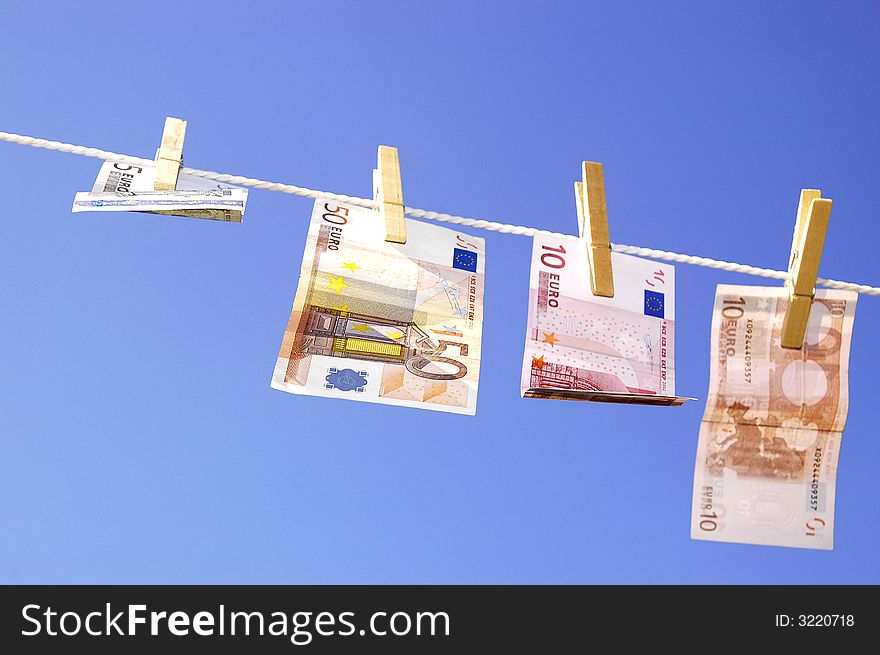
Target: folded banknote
{"points": [[585, 347], [399, 324], [128, 187]]}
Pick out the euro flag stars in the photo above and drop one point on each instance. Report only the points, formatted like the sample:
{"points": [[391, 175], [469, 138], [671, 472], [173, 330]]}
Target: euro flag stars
{"points": [[655, 304], [464, 260], [337, 284]]}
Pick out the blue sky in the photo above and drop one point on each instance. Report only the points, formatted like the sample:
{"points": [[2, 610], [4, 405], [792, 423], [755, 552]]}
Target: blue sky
{"points": [[140, 439]]}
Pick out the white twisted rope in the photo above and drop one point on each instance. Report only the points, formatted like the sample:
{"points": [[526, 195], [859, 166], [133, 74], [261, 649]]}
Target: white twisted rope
{"points": [[422, 213]]}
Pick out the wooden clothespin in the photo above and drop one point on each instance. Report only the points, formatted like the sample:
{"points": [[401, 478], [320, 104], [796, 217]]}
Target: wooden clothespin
{"points": [[169, 157], [388, 192], [593, 227], [803, 267]]}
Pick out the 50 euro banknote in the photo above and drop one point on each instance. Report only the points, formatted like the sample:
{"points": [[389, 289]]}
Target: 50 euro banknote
{"points": [[585, 347], [766, 466], [399, 324], [128, 187]]}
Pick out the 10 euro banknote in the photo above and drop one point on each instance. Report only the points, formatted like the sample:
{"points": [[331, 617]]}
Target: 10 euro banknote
{"points": [[585, 347], [128, 187], [766, 467], [399, 324]]}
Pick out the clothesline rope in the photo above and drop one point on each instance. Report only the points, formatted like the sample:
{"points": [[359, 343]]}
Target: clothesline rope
{"points": [[422, 213]]}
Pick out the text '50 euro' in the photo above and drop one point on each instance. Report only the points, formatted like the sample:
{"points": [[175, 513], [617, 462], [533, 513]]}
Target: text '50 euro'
{"points": [[127, 188], [399, 324], [585, 347], [766, 467]]}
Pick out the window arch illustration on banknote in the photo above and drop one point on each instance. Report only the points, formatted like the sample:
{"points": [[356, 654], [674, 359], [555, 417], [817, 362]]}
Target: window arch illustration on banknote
{"points": [[335, 332]]}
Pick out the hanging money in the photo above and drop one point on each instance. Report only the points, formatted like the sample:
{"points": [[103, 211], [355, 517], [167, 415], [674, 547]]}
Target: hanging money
{"points": [[766, 467], [398, 324], [126, 187], [585, 347]]}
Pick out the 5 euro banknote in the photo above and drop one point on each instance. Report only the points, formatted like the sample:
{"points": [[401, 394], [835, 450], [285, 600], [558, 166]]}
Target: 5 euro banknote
{"points": [[129, 187]]}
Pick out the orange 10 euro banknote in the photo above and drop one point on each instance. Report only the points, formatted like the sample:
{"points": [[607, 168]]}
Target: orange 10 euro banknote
{"points": [[585, 347], [766, 467]]}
